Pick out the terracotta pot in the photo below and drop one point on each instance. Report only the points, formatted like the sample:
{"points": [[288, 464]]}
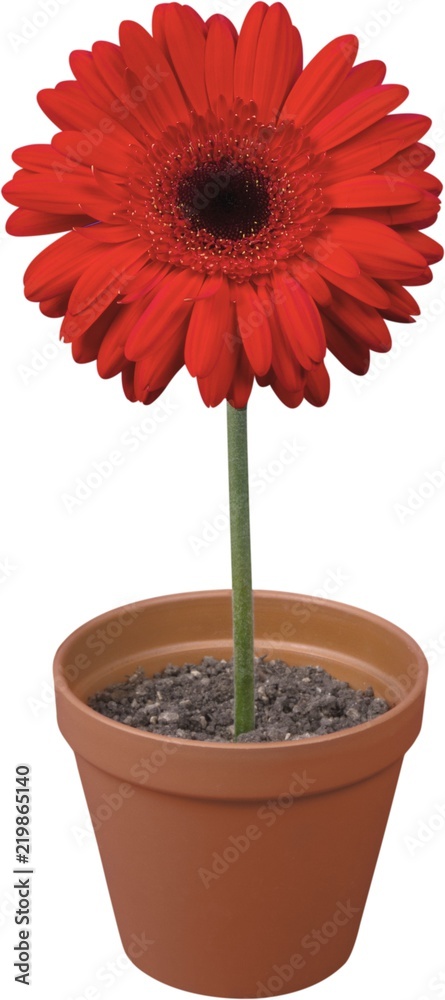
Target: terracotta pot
{"points": [[239, 870]]}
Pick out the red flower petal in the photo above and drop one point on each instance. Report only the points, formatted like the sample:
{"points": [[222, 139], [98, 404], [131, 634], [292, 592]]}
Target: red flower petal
{"points": [[69, 108], [287, 369], [110, 64], [56, 307], [85, 349], [100, 232], [410, 165], [26, 222], [356, 114], [227, 22], [359, 320], [39, 192], [105, 153], [423, 278], [290, 399], [44, 159], [216, 386], [375, 145], [158, 27], [128, 382], [418, 156], [274, 68], [299, 320], [361, 77], [400, 301], [185, 39], [371, 190], [210, 287], [111, 68], [427, 182], [423, 244], [209, 325], [150, 276], [320, 79], [378, 249], [157, 370], [148, 62], [253, 327], [307, 274], [111, 357], [297, 57], [361, 287], [317, 386], [56, 269], [137, 96], [114, 267], [326, 251], [353, 354], [245, 56], [84, 69], [241, 387], [219, 60], [422, 213], [170, 307]]}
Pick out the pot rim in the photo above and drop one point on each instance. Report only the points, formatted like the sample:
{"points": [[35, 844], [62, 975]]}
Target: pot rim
{"points": [[407, 699]]}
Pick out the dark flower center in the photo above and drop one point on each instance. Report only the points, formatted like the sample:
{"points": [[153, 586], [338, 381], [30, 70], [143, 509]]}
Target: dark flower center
{"points": [[227, 199], [227, 194]]}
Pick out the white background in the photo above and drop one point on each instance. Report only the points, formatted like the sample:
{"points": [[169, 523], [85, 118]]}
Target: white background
{"points": [[330, 515]]}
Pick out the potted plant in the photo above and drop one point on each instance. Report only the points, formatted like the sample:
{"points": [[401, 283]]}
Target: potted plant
{"points": [[223, 208]]}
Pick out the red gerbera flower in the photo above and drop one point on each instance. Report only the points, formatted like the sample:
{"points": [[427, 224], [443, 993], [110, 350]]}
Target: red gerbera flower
{"points": [[226, 209]]}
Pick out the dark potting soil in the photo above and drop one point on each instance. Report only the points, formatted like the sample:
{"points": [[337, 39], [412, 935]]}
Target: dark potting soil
{"points": [[196, 702]]}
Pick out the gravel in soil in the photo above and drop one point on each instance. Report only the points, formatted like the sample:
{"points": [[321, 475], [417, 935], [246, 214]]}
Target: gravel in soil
{"points": [[195, 702]]}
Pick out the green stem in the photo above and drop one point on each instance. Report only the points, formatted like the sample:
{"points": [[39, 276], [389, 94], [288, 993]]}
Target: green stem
{"points": [[242, 598]]}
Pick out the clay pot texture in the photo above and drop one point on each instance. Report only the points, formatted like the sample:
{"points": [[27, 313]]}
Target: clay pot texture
{"points": [[239, 870]]}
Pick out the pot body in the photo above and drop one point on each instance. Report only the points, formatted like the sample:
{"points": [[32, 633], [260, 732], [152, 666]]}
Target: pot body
{"points": [[239, 870]]}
